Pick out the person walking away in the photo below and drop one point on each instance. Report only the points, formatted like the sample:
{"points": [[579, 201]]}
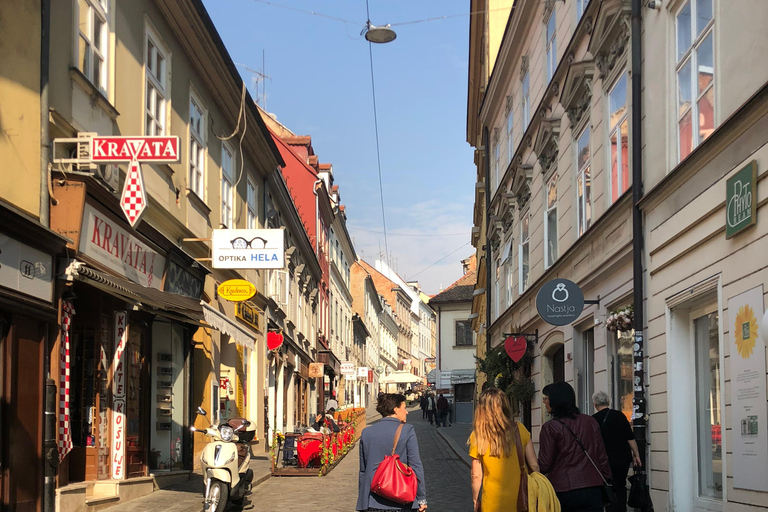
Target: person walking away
{"points": [[431, 406], [576, 481], [332, 403], [496, 471], [442, 410], [620, 446], [423, 405], [376, 443]]}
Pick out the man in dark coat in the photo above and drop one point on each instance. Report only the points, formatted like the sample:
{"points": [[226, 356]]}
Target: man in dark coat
{"points": [[423, 405], [442, 410]]}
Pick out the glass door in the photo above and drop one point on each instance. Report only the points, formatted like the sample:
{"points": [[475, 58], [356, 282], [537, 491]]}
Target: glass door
{"points": [[623, 372]]}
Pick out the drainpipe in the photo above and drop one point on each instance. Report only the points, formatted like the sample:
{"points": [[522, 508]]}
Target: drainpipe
{"points": [[639, 400], [486, 153], [45, 143]]}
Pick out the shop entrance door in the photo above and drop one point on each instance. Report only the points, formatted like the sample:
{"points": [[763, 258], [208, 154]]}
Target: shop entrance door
{"points": [[135, 403], [21, 389]]}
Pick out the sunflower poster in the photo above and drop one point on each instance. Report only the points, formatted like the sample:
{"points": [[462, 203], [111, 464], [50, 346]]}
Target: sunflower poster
{"points": [[749, 414]]}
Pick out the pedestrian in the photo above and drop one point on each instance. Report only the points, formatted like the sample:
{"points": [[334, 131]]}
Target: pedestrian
{"points": [[450, 411], [442, 410], [577, 482], [332, 403], [431, 408], [376, 443], [620, 445], [496, 470], [423, 405]]}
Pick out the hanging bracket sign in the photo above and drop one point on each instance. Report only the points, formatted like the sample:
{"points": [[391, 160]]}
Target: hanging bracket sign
{"points": [[560, 302]]}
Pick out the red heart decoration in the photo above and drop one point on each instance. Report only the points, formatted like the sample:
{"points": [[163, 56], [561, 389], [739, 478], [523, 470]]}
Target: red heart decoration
{"points": [[516, 347], [274, 340]]}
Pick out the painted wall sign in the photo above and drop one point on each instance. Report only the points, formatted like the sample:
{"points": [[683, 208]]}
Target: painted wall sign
{"points": [[118, 397], [248, 314], [114, 247], [560, 302], [181, 282], [25, 269], [741, 200], [248, 248], [749, 415], [236, 290], [316, 370], [515, 346], [274, 340], [347, 368]]}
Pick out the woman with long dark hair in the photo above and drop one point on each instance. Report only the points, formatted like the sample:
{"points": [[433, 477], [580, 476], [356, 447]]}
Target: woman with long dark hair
{"points": [[577, 482]]}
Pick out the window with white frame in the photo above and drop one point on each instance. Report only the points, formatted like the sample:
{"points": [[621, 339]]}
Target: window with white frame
{"points": [[196, 147], [551, 46], [227, 184], [695, 74], [251, 217], [526, 114], [584, 182], [93, 41], [496, 164], [580, 6], [524, 249], [510, 140], [464, 334], [550, 223], [508, 272], [497, 291], [618, 138], [156, 86]]}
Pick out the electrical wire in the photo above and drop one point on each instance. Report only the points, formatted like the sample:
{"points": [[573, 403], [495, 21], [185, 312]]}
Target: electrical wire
{"points": [[410, 278], [378, 150], [390, 233]]}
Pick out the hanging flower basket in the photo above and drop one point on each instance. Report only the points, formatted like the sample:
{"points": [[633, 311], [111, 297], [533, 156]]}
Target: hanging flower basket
{"points": [[621, 319]]}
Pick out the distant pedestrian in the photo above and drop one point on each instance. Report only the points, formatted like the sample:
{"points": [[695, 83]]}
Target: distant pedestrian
{"points": [[431, 408], [496, 470], [332, 403], [376, 443], [620, 445], [450, 411], [442, 411], [576, 481], [423, 405]]}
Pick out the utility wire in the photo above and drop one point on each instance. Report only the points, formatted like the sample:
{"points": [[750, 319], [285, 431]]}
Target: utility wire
{"points": [[376, 126], [390, 233], [410, 278]]}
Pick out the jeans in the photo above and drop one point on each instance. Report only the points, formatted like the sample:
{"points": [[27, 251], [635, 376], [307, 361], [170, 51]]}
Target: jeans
{"points": [[430, 415], [588, 499], [442, 418]]}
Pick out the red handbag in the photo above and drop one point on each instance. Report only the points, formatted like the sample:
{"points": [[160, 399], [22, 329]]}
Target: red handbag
{"points": [[394, 480]]}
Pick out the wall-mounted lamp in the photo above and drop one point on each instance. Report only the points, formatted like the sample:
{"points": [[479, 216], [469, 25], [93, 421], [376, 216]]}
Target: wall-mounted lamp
{"points": [[655, 4]]}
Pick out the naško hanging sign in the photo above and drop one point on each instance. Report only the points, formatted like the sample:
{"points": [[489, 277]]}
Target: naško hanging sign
{"points": [[134, 151]]}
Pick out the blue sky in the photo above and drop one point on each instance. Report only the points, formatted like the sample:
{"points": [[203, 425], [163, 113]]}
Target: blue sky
{"points": [[320, 85]]}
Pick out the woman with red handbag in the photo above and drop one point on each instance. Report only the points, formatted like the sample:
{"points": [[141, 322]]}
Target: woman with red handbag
{"points": [[391, 473]]}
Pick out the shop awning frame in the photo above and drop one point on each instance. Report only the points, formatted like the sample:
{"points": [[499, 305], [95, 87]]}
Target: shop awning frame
{"points": [[225, 325]]}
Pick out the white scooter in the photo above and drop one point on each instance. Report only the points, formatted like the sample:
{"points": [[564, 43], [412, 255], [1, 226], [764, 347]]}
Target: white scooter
{"points": [[225, 462]]}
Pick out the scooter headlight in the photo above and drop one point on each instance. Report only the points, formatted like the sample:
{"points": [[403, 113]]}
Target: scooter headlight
{"points": [[226, 433]]}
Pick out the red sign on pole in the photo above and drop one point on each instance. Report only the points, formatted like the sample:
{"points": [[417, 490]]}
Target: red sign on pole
{"points": [[370, 376], [516, 347], [135, 151]]}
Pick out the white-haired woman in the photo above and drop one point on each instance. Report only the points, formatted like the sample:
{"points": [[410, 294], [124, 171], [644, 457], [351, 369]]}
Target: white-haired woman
{"points": [[620, 445]]}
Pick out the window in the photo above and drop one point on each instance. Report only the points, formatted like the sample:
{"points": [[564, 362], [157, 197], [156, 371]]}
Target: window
{"points": [[464, 333], [227, 184], [695, 96], [525, 250], [497, 294], [251, 218], [551, 46], [508, 271], [510, 140], [526, 101], [156, 83], [618, 138], [496, 163], [550, 223], [93, 41], [580, 6], [584, 183], [196, 148]]}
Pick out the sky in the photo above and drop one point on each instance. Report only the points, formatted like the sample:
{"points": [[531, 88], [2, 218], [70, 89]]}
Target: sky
{"points": [[320, 85]]}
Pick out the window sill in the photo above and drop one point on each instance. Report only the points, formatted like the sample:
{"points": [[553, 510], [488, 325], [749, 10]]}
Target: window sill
{"points": [[91, 90], [464, 346], [195, 199]]}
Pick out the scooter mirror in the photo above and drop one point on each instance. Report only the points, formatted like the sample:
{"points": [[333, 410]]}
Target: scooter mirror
{"points": [[201, 411], [192, 429]]}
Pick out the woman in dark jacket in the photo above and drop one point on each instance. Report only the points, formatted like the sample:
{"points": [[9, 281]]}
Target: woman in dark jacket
{"points": [[376, 443], [576, 481]]}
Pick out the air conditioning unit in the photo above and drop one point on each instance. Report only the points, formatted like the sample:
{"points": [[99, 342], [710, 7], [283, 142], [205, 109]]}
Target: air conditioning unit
{"points": [[75, 154]]}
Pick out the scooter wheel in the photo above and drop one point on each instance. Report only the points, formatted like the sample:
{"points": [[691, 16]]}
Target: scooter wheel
{"points": [[218, 496]]}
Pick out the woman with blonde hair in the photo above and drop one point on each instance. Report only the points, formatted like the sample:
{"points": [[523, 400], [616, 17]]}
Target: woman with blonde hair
{"points": [[496, 470]]}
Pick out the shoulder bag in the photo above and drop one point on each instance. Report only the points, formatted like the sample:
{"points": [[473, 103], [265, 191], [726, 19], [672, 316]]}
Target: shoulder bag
{"points": [[394, 480], [609, 496], [522, 493]]}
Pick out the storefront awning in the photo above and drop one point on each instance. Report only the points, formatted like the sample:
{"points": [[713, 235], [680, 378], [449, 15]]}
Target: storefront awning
{"points": [[222, 323], [462, 377]]}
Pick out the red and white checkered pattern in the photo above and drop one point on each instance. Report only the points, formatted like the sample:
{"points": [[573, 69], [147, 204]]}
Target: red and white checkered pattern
{"points": [[134, 198], [65, 432]]}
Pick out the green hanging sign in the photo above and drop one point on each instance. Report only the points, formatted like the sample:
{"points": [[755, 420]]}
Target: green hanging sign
{"points": [[741, 200]]}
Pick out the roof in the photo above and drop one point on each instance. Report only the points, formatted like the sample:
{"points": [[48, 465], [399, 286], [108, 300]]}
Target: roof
{"points": [[460, 293]]}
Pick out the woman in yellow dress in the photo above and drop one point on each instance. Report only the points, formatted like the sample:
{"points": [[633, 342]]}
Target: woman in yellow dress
{"points": [[495, 464]]}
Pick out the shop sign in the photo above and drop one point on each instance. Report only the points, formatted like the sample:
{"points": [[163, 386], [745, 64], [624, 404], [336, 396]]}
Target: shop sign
{"points": [[248, 248], [274, 340], [362, 372], [181, 282], [104, 241], [347, 368], [25, 269], [370, 376], [560, 302], [741, 200], [749, 415], [118, 397], [236, 290], [515, 346], [316, 370], [248, 314]]}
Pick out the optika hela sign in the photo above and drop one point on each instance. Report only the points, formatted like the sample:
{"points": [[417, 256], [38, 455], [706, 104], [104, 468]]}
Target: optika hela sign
{"points": [[248, 248]]}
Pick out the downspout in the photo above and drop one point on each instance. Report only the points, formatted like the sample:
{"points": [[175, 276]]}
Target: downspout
{"points": [[639, 401], [320, 388], [487, 162]]}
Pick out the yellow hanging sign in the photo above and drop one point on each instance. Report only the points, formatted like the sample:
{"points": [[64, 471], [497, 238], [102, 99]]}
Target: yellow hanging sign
{"points": [[236, 290]]}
